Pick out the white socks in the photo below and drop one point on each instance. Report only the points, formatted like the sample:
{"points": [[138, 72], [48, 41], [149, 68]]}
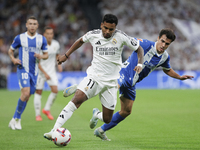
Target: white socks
{"points": [[37, 103], [50, 101], [65, 114], [99, 116]]}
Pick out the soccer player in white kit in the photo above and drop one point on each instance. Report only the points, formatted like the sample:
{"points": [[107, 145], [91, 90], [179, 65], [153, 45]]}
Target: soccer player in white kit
{"points": [[103, 73], [29, 45], [155, 55], [47, 73]]}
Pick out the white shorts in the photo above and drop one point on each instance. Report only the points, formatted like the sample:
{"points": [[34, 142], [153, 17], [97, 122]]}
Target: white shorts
{"points": [[53, 81], [107, 93]]}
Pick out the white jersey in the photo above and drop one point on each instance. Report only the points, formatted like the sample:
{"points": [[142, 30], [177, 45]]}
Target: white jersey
{"points": [[49, 65], [107, 60]]}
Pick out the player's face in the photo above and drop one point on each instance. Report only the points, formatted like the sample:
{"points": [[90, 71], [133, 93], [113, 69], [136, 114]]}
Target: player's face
{"points": [[32, 26], [49, 35], [162, 44], [107, 29]]}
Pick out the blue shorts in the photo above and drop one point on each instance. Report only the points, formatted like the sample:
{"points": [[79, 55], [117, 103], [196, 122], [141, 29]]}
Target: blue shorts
{"points": [[26, 79], [126, 90]]}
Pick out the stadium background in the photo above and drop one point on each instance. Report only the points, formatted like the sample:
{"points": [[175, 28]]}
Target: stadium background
{"points": [[70, 19]]}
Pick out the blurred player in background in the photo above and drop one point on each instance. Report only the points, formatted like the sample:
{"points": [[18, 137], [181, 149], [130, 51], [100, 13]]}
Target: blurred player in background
{"points": [[29, 45], [102, 75], [47, 72], [154, 57]]}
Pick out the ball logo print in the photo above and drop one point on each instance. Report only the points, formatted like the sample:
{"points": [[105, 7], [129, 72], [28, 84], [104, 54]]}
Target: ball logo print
{"points": [[61, 137]]}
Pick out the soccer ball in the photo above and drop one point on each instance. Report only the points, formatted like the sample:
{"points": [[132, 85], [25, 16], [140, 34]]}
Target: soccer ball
{"points": [[61, 136]]}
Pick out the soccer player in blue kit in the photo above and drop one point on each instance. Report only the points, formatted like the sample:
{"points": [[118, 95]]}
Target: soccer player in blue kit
{"points": [[154, 56], [29, 45]]}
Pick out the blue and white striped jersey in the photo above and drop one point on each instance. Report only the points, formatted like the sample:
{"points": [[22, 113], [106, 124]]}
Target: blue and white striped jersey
{"points": [[27, 47], [152, 60]]}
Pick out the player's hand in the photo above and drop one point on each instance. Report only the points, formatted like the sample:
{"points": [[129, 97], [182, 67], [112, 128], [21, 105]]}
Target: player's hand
{"points": [[47, 77], [16, 61], [61, 59], [38, 56], [184, 77], [138, 69]]}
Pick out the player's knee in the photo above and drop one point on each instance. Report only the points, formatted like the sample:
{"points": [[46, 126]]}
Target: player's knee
{"points": [[25, 96], [125, 113], [128, 112], [38, 91], [55, 91], [79, 98]]}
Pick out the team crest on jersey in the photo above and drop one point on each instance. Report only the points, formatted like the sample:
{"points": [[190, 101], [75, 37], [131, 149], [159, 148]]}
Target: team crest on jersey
{"points": [[86, 88], [39, 44], [114, 41]]}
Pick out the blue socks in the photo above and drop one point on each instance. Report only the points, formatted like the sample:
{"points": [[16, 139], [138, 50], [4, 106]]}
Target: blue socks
{"points": [[19, 109], [115, 120]]}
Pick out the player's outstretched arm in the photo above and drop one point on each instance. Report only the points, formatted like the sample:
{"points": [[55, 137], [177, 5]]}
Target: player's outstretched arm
{"points": [[173, 74], [74, 47], [140, 54]]}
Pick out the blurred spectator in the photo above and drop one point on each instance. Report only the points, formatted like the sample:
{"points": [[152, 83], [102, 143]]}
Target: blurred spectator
{"points": [[138, 18]]}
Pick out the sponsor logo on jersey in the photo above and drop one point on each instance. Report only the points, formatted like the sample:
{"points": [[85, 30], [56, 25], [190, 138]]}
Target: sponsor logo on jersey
{"points": [[114, 41], [98, 43], [32, 49], [149, 65], [106, 50]]}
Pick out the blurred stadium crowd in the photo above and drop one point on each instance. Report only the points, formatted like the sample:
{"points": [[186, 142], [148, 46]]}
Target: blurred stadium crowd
{"points": [[137, 18]]}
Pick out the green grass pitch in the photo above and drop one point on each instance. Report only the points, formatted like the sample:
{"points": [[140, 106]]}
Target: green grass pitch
{"points": [[160, 119]]}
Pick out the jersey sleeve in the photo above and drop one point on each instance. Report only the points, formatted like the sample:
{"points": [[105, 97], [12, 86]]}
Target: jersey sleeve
{"points": [[131, 42], [16, 43], [166, 64], [58, 48], [90, 35], [87, 36], [144, 43], [44, 45]]}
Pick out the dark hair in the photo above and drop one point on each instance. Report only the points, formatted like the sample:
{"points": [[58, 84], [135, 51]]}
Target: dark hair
{"points": [[169, 34], [31, 17], [47, 27], [110, 18]]}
